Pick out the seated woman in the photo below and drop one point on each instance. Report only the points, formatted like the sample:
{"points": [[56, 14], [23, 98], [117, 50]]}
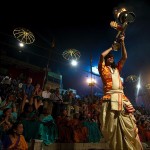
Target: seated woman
{"points": [[15, 140], [48, 131], [7, 118], [80, 132], [94, 133], [9, 102], [65, 131], [6, 121], [29, 118]]}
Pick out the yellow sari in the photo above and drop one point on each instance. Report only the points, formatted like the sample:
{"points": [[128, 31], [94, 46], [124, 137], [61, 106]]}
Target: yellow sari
{"points": [[20, 144]]}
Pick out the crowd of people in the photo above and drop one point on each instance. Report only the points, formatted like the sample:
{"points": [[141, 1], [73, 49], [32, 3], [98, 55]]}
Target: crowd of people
{"points": [[27, 112]]}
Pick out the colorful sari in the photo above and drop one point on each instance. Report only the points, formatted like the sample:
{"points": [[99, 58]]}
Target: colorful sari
{"points": [[15, 143]]}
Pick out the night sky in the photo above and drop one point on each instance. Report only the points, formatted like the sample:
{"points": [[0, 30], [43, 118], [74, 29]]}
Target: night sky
{"points": [[82, 26]]}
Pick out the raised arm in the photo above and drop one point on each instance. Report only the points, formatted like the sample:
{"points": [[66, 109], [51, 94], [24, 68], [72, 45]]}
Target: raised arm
{"points": [[104, 53], [102, 56], [123, 50]]}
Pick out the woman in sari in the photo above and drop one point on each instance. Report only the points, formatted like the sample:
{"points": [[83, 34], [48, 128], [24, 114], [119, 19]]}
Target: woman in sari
{"points": [[15, 140]]}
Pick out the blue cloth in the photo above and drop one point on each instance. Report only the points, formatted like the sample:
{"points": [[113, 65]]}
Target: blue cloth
{"points": [[48, 130], [28, 89], [5, 141], [94, 134]]}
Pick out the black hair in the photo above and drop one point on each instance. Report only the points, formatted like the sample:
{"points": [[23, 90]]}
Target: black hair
{"points": [[5, 110], [113, 65], [108, 56], [14, 127]]}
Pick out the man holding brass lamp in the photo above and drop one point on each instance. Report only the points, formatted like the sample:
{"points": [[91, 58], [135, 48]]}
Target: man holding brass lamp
{"points": [[117, 121]]}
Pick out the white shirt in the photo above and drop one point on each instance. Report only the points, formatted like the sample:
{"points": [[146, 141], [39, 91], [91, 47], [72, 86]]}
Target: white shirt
{"points": [[46, 94]]}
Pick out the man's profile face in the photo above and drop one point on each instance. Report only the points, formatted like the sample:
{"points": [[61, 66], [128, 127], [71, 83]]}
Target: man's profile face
{"points": [[109, 60]]}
